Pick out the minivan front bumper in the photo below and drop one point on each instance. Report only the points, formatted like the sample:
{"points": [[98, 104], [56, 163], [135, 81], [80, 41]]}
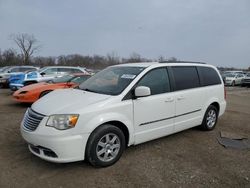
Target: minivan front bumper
{"points": [[60, 149]]}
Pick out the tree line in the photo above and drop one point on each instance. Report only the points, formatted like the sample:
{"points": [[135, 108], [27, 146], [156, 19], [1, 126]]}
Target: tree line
{"points": [[10, 57], [28, 45]]}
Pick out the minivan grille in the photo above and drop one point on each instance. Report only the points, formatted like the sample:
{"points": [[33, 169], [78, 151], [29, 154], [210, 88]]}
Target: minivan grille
{"points": [[32, 119]]}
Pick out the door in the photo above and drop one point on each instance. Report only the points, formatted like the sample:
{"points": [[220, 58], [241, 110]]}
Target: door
{"points": [[154, 114], [189, 97], [238, 79]]}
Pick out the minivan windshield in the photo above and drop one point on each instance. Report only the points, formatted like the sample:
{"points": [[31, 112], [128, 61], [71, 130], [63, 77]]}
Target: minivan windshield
{"points": [[112, 80]]}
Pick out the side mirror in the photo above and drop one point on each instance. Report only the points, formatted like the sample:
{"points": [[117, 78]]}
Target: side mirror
{"points": [[42, 73], [70, 84], [142, 91]]}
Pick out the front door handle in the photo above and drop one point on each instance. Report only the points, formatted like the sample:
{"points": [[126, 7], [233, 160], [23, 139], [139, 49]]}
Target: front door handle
{"points": [[170, 99]]}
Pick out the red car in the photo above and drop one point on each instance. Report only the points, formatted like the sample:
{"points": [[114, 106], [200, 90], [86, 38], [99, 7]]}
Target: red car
{"points": [[33, 92]]}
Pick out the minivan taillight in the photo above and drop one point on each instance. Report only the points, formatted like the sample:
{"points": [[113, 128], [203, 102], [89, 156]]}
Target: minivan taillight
{"points": [[225, 93]]}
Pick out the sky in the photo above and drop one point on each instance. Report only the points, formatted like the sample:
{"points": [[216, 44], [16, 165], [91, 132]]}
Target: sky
{"points": [[212, 31]]}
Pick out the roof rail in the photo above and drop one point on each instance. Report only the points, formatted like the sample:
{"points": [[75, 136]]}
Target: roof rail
{"points": [[171, 61]]}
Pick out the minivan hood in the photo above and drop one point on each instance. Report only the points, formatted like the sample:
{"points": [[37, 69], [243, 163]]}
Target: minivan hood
{"points": [[67, 101]]}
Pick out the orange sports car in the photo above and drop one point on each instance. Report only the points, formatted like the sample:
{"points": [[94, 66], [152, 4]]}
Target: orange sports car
{"points": [[33, 92]]}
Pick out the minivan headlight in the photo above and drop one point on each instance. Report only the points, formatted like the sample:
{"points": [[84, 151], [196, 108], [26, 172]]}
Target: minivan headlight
{"points": [[62, 122]]}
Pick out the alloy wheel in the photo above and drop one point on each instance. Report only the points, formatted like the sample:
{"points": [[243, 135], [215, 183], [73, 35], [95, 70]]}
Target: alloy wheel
{"points": [[108, 147], [211, 118]]}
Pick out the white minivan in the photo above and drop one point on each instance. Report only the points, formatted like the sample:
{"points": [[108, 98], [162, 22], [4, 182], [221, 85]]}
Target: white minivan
{"points": [[120, 106]]}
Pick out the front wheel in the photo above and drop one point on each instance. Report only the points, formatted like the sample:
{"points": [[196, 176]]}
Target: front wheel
{"points": [[105, 146], [210, 118]]}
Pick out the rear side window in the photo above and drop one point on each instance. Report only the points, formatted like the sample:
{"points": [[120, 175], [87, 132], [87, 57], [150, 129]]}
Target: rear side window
{"points": [[23, 69], [185, 78], [50, 71], [15, 69], [157, 80], [65, 70], [76, 71], [208, 76], [240, 75]]}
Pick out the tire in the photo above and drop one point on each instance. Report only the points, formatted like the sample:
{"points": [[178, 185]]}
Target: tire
{"points": [[233, 83], [109, 141], [210, 118], [44, 93]]}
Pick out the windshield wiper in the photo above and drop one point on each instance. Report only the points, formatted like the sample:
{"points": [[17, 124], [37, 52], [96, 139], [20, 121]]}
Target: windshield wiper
{"points": [[89, 90]]}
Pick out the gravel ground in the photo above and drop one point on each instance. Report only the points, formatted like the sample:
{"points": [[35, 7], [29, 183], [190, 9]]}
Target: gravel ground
{"points": [[192, 158]]}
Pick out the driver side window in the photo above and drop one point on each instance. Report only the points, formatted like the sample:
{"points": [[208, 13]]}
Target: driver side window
{"points": [[157, 80], [50, 71], [14, 70]]}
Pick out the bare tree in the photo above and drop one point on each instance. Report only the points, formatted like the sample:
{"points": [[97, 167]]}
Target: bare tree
{"points": [[10, 57], [134, 57], [172, 59], [161, 58], [28, 45], [112, 58]]}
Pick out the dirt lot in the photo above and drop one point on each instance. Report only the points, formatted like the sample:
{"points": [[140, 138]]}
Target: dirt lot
{"points": [[191, 158]]}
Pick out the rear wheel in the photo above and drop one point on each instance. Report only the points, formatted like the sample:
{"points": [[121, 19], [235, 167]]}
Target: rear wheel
{"points": [[105, 146], [210, 118]]}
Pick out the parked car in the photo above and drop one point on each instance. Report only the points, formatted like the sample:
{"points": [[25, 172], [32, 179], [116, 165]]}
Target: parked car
{"points": [[43, 75], [12, 70], [31, 93], [234, 79], [120, 106], [3, 69], [246, 80], [225, 73]]}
